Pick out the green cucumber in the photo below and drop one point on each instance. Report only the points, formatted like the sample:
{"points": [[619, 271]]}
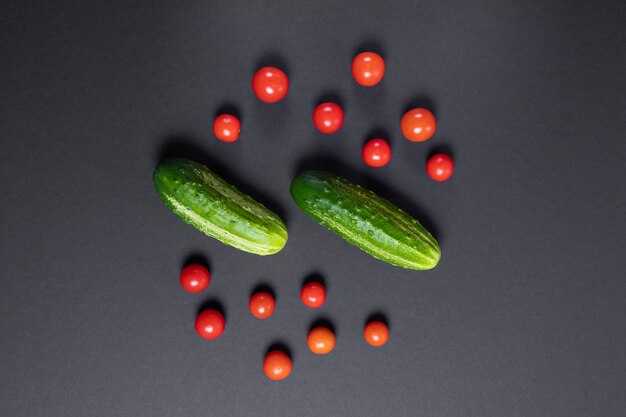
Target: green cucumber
{"points": [[365, 219], [207, 202]]}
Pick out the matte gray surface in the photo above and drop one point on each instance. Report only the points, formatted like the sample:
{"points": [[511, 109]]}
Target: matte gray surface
{"points": [[524, 316]]}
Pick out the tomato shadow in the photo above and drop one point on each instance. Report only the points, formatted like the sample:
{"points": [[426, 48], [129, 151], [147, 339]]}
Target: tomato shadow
{"points": [[198, 259], [280, 346], [378, 316], [327, 162], [370, 45], [272, 59], [228, 108], [263, 287], [330, 97], [323, 322], [377, 133], [442, 148], [315, 276], [184, 146], [419, 100], [212, 304]]}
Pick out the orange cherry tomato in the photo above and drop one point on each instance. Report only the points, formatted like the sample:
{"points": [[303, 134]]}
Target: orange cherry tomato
{"points": [[376, 333], [270, 84], [321, 340], [313, 295], [368, 68], [262, 305], [328, 117], [440, 167], [418, 125], [195, 278], [210, 324], [376, 153], [226, 127], [277, 365]]}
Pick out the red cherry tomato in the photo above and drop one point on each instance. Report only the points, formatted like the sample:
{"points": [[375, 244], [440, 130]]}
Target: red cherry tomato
{"points": [[262, 305], [418, 125], [210, 324], [440, 167], [277, 365], [376, 333], [321, 340], [270, 84], [195, 278], [313, 294], [376, 153], [328, 117], [226, 127], [368, 68]]}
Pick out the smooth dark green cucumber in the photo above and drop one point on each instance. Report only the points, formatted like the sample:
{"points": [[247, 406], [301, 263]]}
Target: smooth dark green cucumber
{"points": [[365, 219], [207, 202]]}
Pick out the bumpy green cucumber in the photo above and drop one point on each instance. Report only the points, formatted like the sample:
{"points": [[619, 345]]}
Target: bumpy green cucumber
{"points": [[366, 220], [207, 202]]}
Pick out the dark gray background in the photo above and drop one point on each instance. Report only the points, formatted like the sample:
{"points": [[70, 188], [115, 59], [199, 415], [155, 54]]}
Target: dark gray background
{"points": [[524, 316]]}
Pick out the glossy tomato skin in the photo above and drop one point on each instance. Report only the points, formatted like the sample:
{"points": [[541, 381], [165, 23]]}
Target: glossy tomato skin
{"points": [[226, 127], [321, 340], [270, 84], [313, 294], [418, 125], [440, 167], [262, 305], [210, 324], [376, 153], [376, 333], [277, 365], [328, 117], [195, 278], [368, 68]]}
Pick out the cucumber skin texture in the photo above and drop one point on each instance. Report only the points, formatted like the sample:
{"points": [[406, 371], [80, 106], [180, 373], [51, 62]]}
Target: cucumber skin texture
{"points": [[207, 202], [366, 220]]}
